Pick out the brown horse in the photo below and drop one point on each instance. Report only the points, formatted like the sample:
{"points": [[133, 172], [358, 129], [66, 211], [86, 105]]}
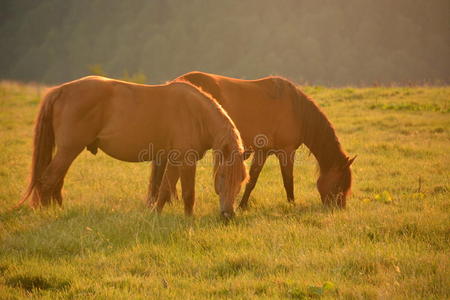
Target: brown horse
{"points": [[275, 117], [174, 122]]}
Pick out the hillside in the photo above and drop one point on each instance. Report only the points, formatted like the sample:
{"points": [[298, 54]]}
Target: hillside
{"points": [[358, 42]]}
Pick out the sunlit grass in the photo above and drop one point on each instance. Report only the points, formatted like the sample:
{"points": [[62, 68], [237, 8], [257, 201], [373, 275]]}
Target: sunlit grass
{"points": [[391, 242]]}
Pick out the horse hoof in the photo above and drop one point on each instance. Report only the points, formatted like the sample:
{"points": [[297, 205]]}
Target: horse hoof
{"points": [[227, 215], [243, 206]]}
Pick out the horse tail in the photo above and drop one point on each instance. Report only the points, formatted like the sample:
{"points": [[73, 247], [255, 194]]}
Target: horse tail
{"points": [[43, 146]]}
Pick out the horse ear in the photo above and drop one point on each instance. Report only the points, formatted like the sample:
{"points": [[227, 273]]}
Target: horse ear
{"points": [[349, 162]]}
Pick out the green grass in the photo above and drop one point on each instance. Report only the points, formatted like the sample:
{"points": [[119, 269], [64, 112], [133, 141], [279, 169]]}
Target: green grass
{"points": [[391, 242]]}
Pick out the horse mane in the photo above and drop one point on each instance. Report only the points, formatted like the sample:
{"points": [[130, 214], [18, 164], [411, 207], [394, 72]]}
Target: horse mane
{"points": [[318, 134], [231, 133], [227, 143], [231, 160]]}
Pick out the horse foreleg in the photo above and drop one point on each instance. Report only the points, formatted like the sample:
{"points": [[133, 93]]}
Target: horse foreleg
{"points": [[168, 186], [259, 158], [187, 176], [286, 159]]}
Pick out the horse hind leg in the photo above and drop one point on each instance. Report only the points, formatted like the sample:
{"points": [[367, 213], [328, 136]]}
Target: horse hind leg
{"points": [[168, 187], [258, 161], [51, 182], [57, 192], [187, 178], [156, 177], [173, 175]]}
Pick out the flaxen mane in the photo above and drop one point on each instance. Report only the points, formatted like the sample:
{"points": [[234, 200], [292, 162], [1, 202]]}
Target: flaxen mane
{"points": [[227, 145]]}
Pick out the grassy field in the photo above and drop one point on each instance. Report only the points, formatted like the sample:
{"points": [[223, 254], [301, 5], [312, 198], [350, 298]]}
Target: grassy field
{"points": [[393, 241]]}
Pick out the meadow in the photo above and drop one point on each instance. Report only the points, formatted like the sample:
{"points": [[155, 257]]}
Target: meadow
{"points": [[392, 242]]}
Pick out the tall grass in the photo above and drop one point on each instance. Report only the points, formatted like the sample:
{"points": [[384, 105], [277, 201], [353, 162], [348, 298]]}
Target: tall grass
{"points": [[391, 242]]}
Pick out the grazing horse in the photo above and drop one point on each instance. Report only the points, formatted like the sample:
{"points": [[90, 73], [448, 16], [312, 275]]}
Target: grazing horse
{"points": [[173, 122], [275, 117]]}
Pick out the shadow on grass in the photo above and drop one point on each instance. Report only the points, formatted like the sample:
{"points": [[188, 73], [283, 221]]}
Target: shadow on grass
{"points": [[81, 230], [9, 213], [30, 283], [284, 211]]}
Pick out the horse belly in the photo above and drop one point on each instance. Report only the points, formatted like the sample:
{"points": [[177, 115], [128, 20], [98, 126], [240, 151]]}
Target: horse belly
{"points": [[130, 150], [133, 135]]}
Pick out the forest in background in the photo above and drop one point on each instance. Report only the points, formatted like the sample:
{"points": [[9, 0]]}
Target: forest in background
{"points": [[327, 42]]}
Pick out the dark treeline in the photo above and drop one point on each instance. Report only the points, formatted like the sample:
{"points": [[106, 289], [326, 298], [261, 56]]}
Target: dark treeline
{"points": [[318, 41]]}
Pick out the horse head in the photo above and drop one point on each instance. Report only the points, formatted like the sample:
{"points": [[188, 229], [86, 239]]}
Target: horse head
{"points": [[229, 175], [334, 184]]}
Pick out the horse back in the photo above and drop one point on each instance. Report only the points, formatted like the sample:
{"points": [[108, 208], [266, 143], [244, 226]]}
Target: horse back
{"points": [[258, 107]]}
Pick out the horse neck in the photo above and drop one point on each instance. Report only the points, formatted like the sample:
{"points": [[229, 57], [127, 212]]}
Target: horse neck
{"points": [[319, 135], [220, 127], [224, 137]]}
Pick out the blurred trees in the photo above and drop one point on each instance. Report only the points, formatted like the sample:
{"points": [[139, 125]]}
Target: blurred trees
{"points": [[318, 41]]}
